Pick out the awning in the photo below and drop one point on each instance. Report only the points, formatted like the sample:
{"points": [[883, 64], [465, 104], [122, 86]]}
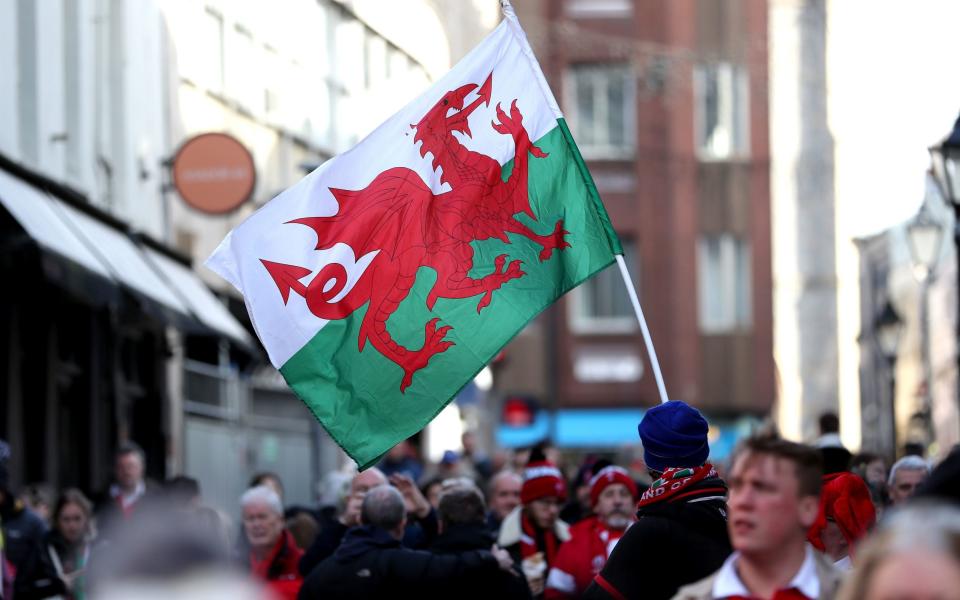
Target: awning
{"points": [[124, 260], [202, 302], [610, 429], [113, 259], [35, 211], [576, 428]]}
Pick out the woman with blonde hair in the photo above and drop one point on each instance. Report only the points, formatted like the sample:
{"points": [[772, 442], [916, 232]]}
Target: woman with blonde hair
{"points": [[914, 554]]}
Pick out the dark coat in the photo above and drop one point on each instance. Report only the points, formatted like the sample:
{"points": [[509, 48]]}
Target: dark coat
{"points": [[418, 535], [672, 544], [492, 524], [370, 563], [109, 515], [500, 585], [23, 529], [37, 576], [23, 536], [331, 534]]}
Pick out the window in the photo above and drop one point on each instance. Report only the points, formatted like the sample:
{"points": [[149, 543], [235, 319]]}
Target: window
{"points": [[606, 9], [721, 96], [211, 73], [28, 116], [601, 304], [245, 71], [349, 37], [210, 390], [72, 88], [375, 67], [724, 283], [600, 107], [275, 81]]}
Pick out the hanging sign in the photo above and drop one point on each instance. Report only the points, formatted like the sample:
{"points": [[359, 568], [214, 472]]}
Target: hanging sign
{"points": [[214, 173]]}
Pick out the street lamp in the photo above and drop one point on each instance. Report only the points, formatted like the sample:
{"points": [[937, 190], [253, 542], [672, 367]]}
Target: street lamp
{"points": [[946, 165], [888, 327], [924, 235], [946, 169]]}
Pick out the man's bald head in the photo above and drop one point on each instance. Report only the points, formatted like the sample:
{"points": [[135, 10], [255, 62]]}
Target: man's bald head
{"points": [[383, 507], [366, 480], [505, 493]]}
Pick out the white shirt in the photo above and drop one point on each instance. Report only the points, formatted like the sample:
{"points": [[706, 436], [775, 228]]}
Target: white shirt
{"points": [[128, 500], [829, 440], [728, 581], [844, 564]]}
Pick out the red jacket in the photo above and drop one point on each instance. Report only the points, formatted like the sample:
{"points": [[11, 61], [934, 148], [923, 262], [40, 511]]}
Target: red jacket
{"points": [[279, 568], [580, 559]]}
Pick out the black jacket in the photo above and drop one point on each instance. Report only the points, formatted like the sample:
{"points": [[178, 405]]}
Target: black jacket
{"points": [[482, 586], [23, 529], [24, 532], [370, 563], [37, 576], [418, 535], [672, 544]]}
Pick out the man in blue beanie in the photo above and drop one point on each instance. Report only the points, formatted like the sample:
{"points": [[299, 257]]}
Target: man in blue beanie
{"points": [[681, 531]]}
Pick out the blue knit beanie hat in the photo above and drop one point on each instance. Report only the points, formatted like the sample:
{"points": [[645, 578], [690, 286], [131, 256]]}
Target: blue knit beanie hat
{"points": [[674, 434]]}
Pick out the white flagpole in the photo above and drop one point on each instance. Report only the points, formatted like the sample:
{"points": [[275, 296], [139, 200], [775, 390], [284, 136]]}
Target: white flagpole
{"points": [[643, 328]]}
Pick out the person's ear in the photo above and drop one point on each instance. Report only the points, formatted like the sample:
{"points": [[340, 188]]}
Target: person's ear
{"points": [[808, 509]]}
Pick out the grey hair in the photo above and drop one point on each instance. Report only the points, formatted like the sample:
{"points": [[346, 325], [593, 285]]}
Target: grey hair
{"points": [[922, 525], [908, 463], [501, 476], [457, 482], [383, 507], [262, 494]]}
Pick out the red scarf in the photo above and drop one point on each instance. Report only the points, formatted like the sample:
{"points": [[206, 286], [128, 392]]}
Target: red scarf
{"points": [[602, 541], [790, 594], [676, 483], [261, 568], [528, 541]]}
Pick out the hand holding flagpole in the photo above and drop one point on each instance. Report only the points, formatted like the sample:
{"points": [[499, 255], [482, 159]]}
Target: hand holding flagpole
{"points": [[643, 328]]}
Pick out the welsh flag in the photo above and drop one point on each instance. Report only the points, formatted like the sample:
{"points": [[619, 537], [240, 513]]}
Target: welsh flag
{"points": [[385, 280]]}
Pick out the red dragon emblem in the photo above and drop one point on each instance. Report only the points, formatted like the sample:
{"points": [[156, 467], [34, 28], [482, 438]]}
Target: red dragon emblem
{"points": [[411, 227]]}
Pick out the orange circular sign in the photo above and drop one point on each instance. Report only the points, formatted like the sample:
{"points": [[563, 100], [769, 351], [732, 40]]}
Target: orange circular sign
{"points": [[214, 173]]}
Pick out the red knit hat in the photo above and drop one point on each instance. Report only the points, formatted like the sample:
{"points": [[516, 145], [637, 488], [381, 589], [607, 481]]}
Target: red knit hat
{"points": [[845, 499], [542, 479], [609, 476]]}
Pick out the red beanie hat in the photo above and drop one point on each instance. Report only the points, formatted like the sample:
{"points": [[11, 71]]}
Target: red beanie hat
{"points": [[845, 499], [542, 479], [609, 476]]}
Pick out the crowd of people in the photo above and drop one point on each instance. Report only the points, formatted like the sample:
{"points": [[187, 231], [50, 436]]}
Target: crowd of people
{"points": [[778, 520]]}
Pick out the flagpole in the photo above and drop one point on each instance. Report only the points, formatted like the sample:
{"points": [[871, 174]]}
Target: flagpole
{"points": [[643, 327]]}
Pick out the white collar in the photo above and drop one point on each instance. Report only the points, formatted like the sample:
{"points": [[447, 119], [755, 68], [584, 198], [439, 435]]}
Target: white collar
{"points": [[728, 582], [829, 440], [844, 564], [128, 499]]}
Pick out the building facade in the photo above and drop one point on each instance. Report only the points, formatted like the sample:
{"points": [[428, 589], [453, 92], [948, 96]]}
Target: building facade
{"points": [[908, 397], [117, 331], [668, 104], [831, 107]]}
